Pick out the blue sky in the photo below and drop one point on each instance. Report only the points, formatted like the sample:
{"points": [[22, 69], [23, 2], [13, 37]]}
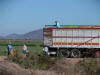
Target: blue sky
{"points": [[21, 16]]}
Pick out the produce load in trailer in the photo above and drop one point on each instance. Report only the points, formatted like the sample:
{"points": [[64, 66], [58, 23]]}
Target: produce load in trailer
{"points": [[72, 40]]}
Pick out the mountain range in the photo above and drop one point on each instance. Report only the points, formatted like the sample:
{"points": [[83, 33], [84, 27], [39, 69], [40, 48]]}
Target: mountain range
{"points": [[33, 35]]}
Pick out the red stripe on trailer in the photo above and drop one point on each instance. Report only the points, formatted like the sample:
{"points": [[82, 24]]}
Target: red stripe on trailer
{"points": [[69, 43]]}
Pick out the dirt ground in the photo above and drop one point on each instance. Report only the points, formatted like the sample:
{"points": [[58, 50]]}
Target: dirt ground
{"points": [[10, 68]]}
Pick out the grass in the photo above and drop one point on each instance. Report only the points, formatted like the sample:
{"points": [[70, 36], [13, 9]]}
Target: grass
{"points": [[88, 66], [33, 46], [21, 42], [36, 59]]}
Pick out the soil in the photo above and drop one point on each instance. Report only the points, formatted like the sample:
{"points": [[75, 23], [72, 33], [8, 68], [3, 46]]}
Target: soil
{"points": [[9, 68]]}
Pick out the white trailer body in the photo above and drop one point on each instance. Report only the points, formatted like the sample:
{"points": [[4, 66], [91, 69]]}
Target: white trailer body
{"points": [[72, 37], [76, 38]]}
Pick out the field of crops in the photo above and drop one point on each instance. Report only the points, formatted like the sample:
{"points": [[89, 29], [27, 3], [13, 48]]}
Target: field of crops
{"points": [[39, 64], [33, 46]]}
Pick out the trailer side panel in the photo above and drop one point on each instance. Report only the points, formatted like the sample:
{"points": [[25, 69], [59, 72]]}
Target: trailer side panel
{"points": [[76, 38]]}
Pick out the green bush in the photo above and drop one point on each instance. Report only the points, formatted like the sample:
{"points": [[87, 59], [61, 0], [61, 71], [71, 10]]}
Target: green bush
{"points": [[34, 61], [88, 66]]}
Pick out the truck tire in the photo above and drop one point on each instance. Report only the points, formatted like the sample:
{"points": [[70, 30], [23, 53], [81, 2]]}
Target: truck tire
{"points": [[65, 53], [75, 53]]}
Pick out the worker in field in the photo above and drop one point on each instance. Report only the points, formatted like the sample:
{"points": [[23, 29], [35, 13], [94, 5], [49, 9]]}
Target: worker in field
{"points": [[9, 48], [25, 51], [46, 51], [13, 53]]}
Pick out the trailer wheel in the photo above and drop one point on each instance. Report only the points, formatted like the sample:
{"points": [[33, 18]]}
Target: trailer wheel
{"points": [[65, 53], [75, 53]]}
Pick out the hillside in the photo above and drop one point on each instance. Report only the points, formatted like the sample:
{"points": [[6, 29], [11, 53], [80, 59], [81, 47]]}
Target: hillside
{"points": [[33, 35], [1, 37]]}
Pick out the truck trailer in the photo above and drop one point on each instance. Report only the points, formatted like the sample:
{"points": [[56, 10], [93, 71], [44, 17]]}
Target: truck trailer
{"points": [[72, 40]]}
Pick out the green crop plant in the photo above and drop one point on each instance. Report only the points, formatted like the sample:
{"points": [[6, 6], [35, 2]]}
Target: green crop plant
{"points": [[87, 66]]}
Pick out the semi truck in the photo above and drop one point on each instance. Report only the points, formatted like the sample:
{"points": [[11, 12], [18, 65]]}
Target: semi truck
{"points": [[72, 40]]}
